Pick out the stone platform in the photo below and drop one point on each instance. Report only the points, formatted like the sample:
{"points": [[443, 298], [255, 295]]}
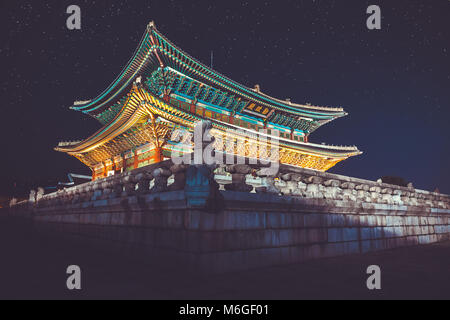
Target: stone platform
{"points": [[182, 216]]}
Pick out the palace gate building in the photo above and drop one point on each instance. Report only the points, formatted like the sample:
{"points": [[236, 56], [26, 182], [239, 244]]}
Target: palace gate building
{"points": [[163, 91]]}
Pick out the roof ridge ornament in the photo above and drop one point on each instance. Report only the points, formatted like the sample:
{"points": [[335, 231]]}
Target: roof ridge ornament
{"points": [[151, 25], [80, 102]]}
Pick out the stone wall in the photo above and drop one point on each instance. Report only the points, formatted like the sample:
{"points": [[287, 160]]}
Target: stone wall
{"points": [[177, 215]]}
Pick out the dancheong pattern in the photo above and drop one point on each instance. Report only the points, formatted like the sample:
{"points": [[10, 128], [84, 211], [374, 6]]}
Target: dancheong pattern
{"points": [[163, 90]]}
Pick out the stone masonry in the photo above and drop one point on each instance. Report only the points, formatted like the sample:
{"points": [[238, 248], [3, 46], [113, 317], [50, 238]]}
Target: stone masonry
{"points": [[157, 211]]}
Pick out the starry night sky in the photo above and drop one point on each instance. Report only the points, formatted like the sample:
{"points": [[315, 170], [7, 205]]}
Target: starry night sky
{"points": [[393, 82]]}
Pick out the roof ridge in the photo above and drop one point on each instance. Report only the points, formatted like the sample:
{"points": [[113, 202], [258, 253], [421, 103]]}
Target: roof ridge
{"points": [[251, 90]]}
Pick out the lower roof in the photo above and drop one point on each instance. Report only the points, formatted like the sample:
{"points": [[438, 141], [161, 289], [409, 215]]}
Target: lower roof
{"points": [[140, 105]]}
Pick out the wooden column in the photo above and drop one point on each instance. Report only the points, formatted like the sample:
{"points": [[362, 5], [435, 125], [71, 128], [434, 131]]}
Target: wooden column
{"points": [[114, 166], [136, 160], [192, 108], [158, 156], [105, 172], [231, 117]]}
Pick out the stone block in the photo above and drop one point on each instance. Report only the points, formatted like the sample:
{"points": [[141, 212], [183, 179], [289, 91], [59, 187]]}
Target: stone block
{"points": [[316, 235], [135, 219], [351, 247], [352, 220], [333, 249], [432, 220], [300, 236], [192, 220], [423, 221], [251, 220], [424, 239], [314, 220], [336, 220], [412, 240], [391, 243], [373, 245], [388, 232], [118, 218], [367, 220], [286, 237], [371, 233], [313, 251], [342, 234], [399, 231], [381, 220], [424, 229]]}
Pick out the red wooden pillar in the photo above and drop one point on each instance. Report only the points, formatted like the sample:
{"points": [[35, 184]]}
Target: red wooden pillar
{"points": [[136, 160], [105, 172], [231, 118], [158, 156], [114, 167]]}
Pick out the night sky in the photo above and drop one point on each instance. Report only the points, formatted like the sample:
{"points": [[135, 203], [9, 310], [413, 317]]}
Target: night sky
{"points": [[393, 82]]}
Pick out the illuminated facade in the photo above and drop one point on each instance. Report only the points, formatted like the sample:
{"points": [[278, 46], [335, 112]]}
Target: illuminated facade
{"points": [[163, 90]]}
